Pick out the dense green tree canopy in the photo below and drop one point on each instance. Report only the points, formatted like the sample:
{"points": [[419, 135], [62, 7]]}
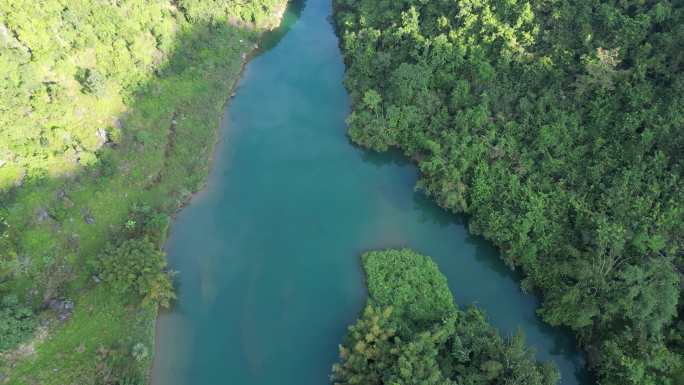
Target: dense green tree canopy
{"points": [[136, 268], [559, 127], [412, 333]]}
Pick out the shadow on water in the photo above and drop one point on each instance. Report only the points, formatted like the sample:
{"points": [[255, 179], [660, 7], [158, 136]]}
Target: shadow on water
{"points": [[431, 212], [554, 341], [392, 156], [271, 38]]}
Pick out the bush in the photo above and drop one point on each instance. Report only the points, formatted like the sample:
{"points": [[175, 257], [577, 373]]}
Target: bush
{"points": [[140, 352], [16, 322], [137, 268]]}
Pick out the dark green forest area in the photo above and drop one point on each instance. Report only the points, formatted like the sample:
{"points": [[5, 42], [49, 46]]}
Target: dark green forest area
{"points": [[558, 127], [411, 332], [109, 112]]}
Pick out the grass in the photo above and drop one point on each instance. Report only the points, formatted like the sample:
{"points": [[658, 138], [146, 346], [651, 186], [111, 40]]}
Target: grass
{"points": [[159, 157], [100, 320]]}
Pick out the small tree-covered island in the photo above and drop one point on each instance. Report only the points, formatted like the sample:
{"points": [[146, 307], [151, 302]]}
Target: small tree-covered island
{"points": [[186, 187]]}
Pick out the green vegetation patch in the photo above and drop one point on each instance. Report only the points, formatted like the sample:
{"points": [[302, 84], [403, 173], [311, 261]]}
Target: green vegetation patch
{"points": [[106, 340], [408, 282], [418, 336]]}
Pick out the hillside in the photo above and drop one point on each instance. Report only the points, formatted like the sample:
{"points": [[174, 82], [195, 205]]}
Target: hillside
{"points": [[108, 116]]}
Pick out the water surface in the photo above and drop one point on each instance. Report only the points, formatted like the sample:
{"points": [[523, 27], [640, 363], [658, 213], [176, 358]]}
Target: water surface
{"points": [[269, 254]]}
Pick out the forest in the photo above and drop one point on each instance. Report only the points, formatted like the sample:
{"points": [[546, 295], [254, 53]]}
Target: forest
{"points": [[108, 115], [557, 127], [411, 332]]}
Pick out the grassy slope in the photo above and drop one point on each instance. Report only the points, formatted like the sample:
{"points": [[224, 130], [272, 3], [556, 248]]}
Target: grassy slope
{"points": [[162, 117]]}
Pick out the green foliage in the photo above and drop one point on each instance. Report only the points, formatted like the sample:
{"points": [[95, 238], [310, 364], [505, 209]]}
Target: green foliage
{"points": [[114, 367], [92, 81], [408, 282], [394, 343], [108, 115], [140, 352], [557, 126], [17, 322], [136, 267], [70, 68], [255, 12], [97, 344]]}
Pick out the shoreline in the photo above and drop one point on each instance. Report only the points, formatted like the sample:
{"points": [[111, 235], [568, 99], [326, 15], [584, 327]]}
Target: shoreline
{"points": [[215, 153]]}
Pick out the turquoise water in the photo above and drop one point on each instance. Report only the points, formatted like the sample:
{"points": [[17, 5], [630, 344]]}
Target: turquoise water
{"points": [[268, 254]]}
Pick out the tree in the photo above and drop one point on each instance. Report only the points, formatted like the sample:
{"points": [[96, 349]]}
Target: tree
{"points": [[137, 268]]}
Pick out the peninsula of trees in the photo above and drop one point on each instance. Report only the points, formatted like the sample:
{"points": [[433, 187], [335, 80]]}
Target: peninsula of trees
{"points": [[411, 332]]}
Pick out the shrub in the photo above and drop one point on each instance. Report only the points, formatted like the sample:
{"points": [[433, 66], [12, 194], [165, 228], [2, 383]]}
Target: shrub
{"points": [[137, 268], [16, 322], [140, 352]]}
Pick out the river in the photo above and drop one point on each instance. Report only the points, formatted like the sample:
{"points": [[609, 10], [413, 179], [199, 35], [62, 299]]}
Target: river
{"points": [[268, 254]]}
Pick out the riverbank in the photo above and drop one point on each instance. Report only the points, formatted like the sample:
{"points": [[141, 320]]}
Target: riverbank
{"points": [[154, 156], [271, 28]]}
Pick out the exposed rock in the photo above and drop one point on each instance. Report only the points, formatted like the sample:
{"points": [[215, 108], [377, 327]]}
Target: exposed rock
{"points": [[42, 215], [4, 37], [21, 179], [79, 111], [97, 279], [63, 307], [102, 137], [87, 216], [89, 219], [7, 39]]}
